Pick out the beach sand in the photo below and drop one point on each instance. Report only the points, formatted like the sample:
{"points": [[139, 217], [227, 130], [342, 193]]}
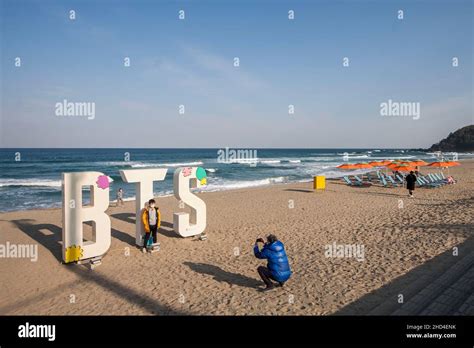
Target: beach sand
{"points": [[218, 275]]}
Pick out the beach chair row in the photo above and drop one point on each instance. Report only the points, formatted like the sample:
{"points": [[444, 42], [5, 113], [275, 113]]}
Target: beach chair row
{"points": [[384, 179], [433, 180]]}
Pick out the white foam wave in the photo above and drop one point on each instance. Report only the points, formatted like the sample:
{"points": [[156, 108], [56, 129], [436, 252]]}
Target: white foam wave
{"points": [[270, 161], [30, 183], [235, 184], [149, 165]]}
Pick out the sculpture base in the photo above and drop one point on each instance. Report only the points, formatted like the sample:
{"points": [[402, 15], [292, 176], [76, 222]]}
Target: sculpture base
{"points": [[153, 248]]}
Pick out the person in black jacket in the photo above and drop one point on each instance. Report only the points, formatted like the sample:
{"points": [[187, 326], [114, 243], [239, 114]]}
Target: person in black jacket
{"points": [[411, 180]]}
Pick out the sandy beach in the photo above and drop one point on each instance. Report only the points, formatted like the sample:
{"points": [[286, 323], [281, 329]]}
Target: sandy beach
{"points": [[403, 239]]}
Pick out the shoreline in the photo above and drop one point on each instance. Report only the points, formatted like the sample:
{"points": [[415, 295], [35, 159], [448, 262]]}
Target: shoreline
{"points": [[359, 172], [218, 276]]}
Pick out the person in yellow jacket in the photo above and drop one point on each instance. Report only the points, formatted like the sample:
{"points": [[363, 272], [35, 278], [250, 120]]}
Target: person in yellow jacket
{"points": [[151, 219]]}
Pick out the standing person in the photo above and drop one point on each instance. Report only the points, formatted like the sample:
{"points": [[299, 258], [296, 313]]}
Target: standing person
{"points": [[411, 180], [119, 197], [151, 219], [278, 268]]}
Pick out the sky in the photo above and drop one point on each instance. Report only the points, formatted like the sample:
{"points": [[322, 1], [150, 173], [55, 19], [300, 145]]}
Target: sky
{"points": [[190, 62]]}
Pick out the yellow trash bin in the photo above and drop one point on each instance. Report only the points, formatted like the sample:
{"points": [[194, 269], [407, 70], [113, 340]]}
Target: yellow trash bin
{"points": [[319, 182]]}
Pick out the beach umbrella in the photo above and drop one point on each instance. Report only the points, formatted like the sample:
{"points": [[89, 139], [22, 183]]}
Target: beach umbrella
{"points": [[419, 163], [392, 164], [444, 164], [385, 163], [439, 164], [453, 163], [403, 168], [363, 165], [347, 166], [377, 163]]}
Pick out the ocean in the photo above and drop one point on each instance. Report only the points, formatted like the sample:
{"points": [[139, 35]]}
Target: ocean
{"points": [[31, 178]]}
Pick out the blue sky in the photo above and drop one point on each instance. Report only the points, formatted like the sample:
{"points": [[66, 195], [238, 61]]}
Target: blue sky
{"points": [[190, 62]]}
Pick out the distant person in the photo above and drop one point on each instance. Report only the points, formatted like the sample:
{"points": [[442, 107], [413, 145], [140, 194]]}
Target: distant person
{"points": [[120, 197], [411, 180], [151, 219], [417, 171], [278, 268]]}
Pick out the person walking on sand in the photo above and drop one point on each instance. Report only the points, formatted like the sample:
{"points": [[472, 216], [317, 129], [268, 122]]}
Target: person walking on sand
{"points": [[278, 267], [119, 197], [151, 219], [411, 180]]}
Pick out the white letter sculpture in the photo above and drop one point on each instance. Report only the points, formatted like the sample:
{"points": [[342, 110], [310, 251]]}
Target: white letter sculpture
{"points": [[183, 224], [143, 179], [74, 215]]}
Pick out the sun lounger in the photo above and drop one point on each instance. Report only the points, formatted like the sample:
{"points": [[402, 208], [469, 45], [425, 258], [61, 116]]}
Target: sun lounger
{"points": [[400, 178], [383, 181], [369, 177], [350, 183], [449, 180], [429, 178], [389, 177], [440, 178], [429, 183], [436, 180], [358, 179]]}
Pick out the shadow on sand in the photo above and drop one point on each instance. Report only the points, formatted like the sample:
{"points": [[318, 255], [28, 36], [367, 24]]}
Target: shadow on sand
{"points": [[49, 236], [221, 275], [389, 292], [300, 190]]}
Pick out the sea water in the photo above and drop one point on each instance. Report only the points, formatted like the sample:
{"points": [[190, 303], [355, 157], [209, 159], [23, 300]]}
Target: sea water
{"points": [[31, 178]]}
